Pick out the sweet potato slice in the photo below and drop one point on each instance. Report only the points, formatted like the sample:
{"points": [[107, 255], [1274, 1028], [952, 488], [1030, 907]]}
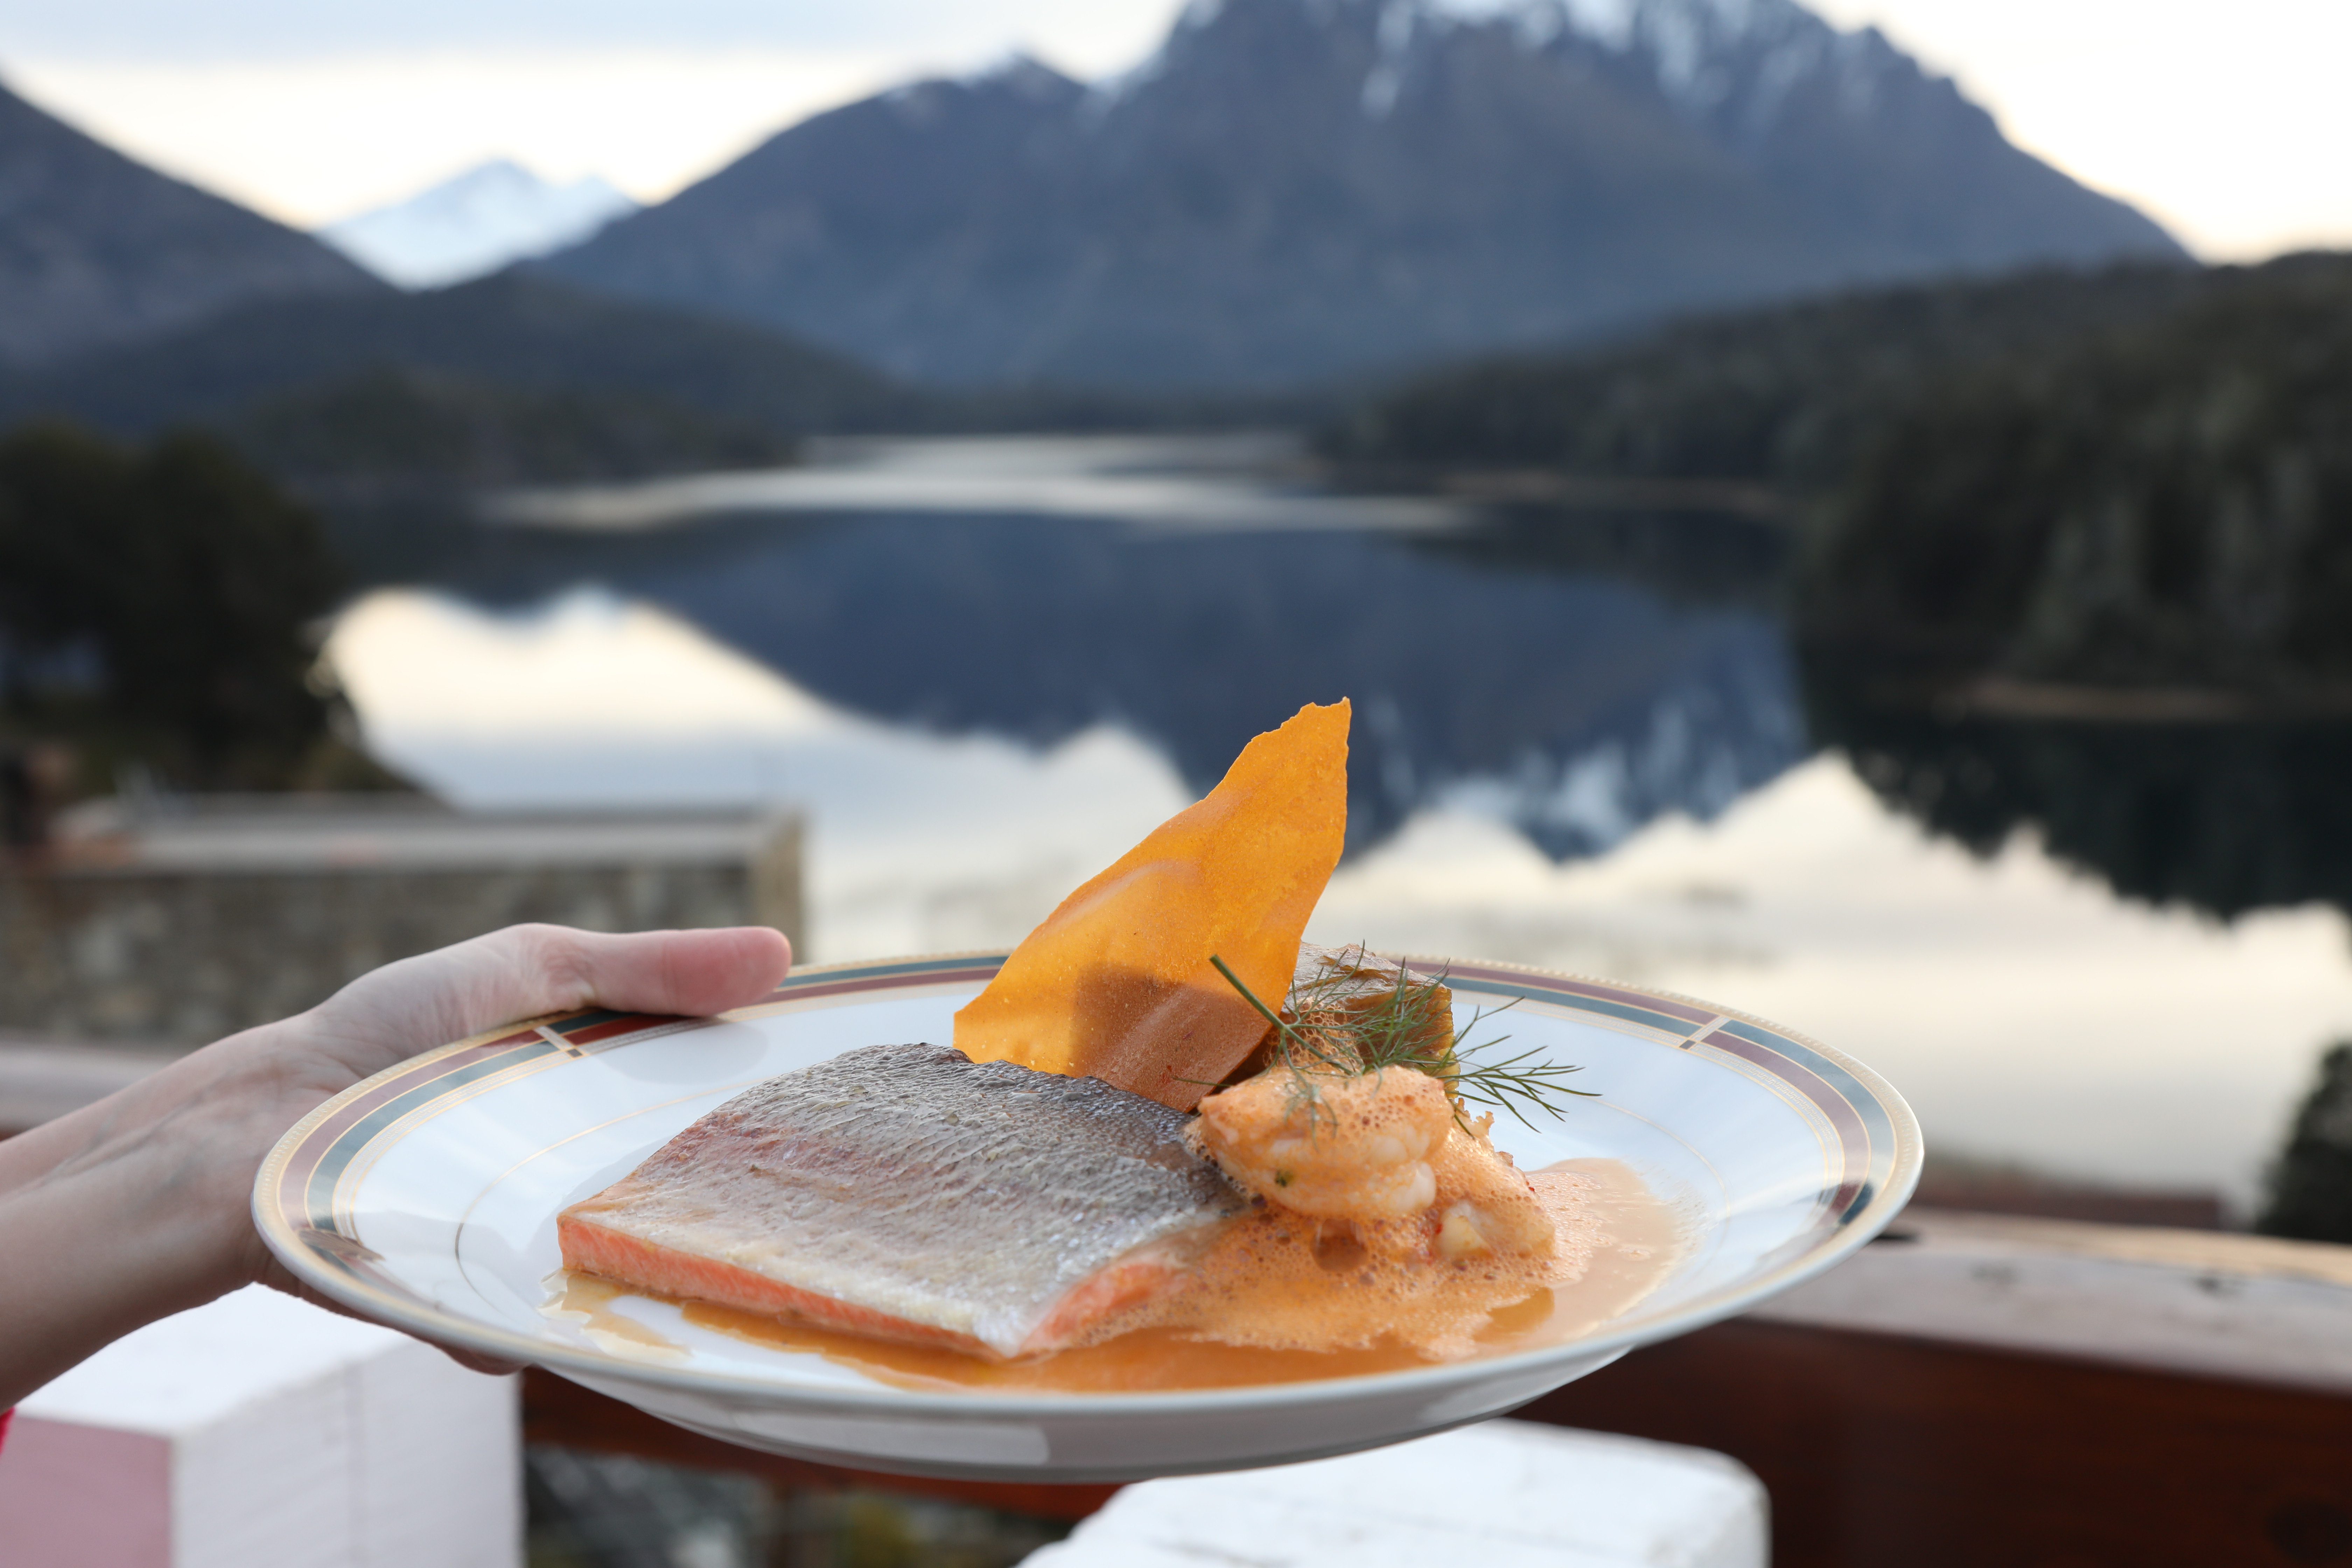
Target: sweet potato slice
{"points": [[1117, 983]]}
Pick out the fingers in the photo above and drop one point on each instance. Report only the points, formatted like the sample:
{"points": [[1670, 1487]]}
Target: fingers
{"points": [[419, 1003], [652, 972], [524, 971], [475, 1361]]}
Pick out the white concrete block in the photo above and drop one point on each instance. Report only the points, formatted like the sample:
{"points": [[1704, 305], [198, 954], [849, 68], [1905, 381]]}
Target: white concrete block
{"points": [[1507, 1494], [260, 1432]]}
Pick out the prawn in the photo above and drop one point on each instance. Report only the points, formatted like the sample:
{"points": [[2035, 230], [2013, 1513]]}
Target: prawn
{"points": [[1382, 1151]]}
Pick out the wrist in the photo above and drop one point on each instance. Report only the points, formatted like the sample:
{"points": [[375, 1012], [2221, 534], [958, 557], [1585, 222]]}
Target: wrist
{"points": [[139, 1207], [123, 1238], [153, 1183], [236, 1099]]}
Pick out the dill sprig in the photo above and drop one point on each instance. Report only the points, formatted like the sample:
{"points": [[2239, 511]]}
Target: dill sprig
{"points": [[1332, 1032], [1508, 1085]]}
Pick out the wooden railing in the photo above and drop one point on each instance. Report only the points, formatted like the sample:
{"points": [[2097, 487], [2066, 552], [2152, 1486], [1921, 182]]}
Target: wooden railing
{"points": [[1984, 1391]]}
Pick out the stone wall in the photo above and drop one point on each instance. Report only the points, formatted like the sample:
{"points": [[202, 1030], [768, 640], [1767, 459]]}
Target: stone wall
{"points": [[154, 935]]}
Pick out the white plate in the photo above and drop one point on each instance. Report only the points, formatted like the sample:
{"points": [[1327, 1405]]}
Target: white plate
{"points": [[426, 1198]]}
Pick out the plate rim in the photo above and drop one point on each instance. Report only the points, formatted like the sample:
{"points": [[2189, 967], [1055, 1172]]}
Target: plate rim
{"points": [[439, 1326]]}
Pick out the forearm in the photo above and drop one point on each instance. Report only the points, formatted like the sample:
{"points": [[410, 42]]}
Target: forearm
{"points": [[130, 1209], [31, 1155], [139, 1207]]}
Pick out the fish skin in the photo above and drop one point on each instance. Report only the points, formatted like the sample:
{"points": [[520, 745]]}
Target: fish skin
{"points": [[907, 1192]]}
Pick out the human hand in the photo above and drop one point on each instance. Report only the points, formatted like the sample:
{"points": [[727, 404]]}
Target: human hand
{"points": [[137, 1207], [387, 1016]]}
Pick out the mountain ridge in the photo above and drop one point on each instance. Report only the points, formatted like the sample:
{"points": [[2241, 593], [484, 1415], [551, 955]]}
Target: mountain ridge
{"points": [[507, 336], [98, 250], [1291, 190]]}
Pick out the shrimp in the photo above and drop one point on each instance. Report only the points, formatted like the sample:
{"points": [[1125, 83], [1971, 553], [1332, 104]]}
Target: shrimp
{"points": [[1336, 1147], [1380, 1151], [1483, 1202]]}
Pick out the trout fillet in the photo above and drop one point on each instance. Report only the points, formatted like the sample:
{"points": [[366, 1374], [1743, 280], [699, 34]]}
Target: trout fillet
{"points": [[907, 1193]]}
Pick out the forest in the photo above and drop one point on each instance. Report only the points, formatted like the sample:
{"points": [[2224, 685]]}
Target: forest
{"points": [[2134, 477], [157, 613]]}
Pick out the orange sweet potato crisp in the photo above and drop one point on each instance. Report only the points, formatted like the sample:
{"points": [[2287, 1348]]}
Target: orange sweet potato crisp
{"points": [[1117, 983]]}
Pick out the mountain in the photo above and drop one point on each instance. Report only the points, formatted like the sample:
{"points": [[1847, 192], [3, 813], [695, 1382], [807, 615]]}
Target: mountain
{"points": [[97, 250], [475, 224], [504, 331], [387, 430], [1294, 189], [519, 376]]}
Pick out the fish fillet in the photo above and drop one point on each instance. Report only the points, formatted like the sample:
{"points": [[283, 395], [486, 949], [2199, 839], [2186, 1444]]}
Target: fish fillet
{"points": [[907, 1193]]}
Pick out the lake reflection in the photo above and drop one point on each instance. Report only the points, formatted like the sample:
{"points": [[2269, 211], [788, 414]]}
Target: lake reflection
{"points": [[2223, 818], [1582, 703], [1578, 744]]}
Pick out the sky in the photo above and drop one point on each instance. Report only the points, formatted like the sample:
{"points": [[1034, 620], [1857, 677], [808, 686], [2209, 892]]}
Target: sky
{"points": [[2227, 123]]}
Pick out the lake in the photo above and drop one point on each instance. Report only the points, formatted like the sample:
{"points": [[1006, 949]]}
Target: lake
{"points": [[985, 667]]}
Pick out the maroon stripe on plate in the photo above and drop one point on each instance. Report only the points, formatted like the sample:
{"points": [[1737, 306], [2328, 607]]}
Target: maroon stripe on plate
{"points": [[294, 1183], [613, 1028], [888, 983], [1854, 1138]]}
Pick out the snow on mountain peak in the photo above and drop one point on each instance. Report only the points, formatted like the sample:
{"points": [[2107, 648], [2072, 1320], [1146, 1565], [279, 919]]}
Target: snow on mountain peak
{"points": [[475, 224], [1707, 56], [1729, 66], [1019, 71]]}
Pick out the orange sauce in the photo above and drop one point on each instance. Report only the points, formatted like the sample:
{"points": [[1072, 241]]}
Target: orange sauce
{"points": [[1264, 1293], [588, 1300]]}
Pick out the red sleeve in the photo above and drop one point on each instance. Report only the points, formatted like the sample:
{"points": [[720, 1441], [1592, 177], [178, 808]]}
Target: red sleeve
{"points": [[5, 1416]]}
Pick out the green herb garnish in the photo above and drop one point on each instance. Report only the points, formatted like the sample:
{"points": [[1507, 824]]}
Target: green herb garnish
{"points": [[1333, 1034]]}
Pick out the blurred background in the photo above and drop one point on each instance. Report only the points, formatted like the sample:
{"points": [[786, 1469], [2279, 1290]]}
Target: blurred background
{"points": [[1845, 511]]}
